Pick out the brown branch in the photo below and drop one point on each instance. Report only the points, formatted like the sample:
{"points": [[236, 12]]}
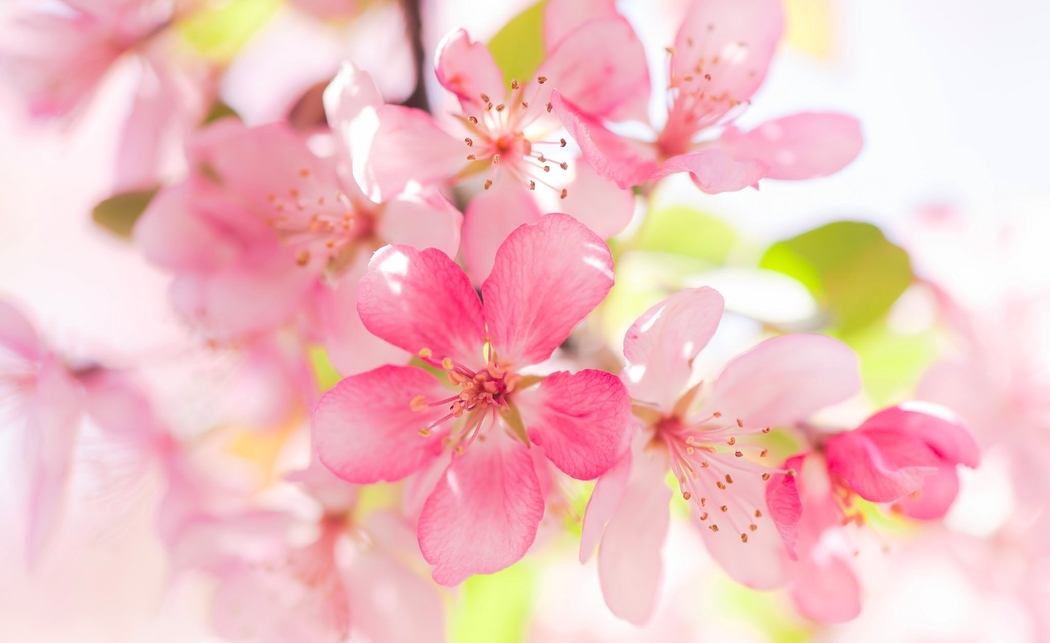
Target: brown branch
{"points": [[414, 29]]}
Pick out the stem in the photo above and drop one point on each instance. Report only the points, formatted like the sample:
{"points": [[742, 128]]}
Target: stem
{"points": [[414, 28]]}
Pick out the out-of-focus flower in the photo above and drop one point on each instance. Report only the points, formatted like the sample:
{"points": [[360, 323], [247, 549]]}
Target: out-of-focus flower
{"points": [[390, 422], [719, 59]]}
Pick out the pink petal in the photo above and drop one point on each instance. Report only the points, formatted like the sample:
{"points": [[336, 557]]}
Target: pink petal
{"points": [[364, 428], [595, 202], [785, 508], [17, 333], [630, 564], [421, 299], [350, 104], [547, 277], [121, 408], [171, 233], [623, 161], [426, 220], [582, 420], [484, 512], [785, 380], [154, 108], [467, 70], [383, 593], [730, 42], [601, 69], [938, 427], [661, 345], [802, 146], [491, 217], [402, 147], [52, 425], [714, 170], [561, 18], [933, 501], [826, 590], [601, 506], [881, 465]]}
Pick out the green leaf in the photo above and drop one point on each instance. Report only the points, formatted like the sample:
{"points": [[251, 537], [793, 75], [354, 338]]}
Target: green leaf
{"points": [[326, 375], [118, 213], [219, 30], [518, 47], [849, 266], [891, 363], [495, 608], [684, 231]]}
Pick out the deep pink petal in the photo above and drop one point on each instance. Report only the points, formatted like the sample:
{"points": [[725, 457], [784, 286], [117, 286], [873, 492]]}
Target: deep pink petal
{"points": [[785, 380], [603, 503], [467, 70], [724, 48], [623, 161], [938, 427], [595, 202], [601, 69], [661, 345], [561, 18], [933, 501], [785, 508], [421, 299], [802, 146], [364, 428], [383, 592], [582, 420], [547, 277], [714, 170], [491, 217], [17, 333], [630, 563], [484, 512], [426, 220], [881, 465]]}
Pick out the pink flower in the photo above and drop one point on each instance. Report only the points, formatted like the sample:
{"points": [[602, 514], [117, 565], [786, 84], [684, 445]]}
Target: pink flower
{"points": [[719, 59], [396, 420], [509, 138], [705, 440], [264, 231]]}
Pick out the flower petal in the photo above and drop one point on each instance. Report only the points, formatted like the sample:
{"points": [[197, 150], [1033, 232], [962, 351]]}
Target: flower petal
{"points": [[484, 512], [602, 504], [582, 420], [881, 465], [468, 70], [491, 217], [425, 220], [802, 146], [826, 590], [418, 299], [938, 427], [785, 379], [630, 563], [623, 161], [713, 170], [661, 345], [595, 202], [382, 591], [547, 277], [351, 95], [785, 508], [364, 428], [562, 18], [933, 501], [17, 333]]}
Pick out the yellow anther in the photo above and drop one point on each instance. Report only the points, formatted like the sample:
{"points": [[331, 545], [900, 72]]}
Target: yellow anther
{"points": [[426, 353], [418, 403], [446, 363], [424, 432]]}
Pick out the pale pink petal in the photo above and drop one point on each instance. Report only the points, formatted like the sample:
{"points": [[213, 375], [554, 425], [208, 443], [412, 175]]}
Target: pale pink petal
{"points": [[802, 146], [714, 170], [933, 501], [467, 70], [938, 427], [881, 465], [785, 380], [603, 503], [623, 161], [421, 299], [630, 563], [724, 48], [484, 512], [391, 604], [754, 558], [172, 235], [601, 69], [547, 277], [52, 425], [398, 146], [154, 107], [120, 407], [426, 220], [595, 202], [661, 345], [582, 420], [562, 17], [953, 383], [364, 428], [350, 102], [826, 590], [491, 217], [17, 333], [328, 9]]}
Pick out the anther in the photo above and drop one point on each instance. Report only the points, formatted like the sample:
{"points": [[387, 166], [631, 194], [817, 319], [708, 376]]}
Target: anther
{"points": [[703, 502], [500, 107], [729, 479], [524, 104], [424, 432], [753, 527], [471, 157], [713, 528], [541, 79], [564, 193], [738, 454], [473, 120], [562, 142], [724, 508], [763, 453], [418, 403], [703, 516], [426, 353], [514, 83], [485, 98], [549, 107], [717, 414], [721, 485], [758, 514], [743, 538], [767, 430], [304, 172], [563, 165], [495, 159], [302, 257], [446, 363], [532, 185], [470, 141], [765, 476], [740, 423], [687, 495], [488, 183], [546, 168], [731, 441]]}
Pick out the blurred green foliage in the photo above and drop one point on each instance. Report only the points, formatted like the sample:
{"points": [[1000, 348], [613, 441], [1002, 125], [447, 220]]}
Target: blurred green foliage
{"points": [[118, 213], [217, 31], [324, 372], [688, 232], [518, 47], [495, 608]]}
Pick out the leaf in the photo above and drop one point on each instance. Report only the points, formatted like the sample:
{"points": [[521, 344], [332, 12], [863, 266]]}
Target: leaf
{"points": [[219, 30], [518, 47], [849, 267], [495, 608], [324, 372], [118, 214], [684, 231]]}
